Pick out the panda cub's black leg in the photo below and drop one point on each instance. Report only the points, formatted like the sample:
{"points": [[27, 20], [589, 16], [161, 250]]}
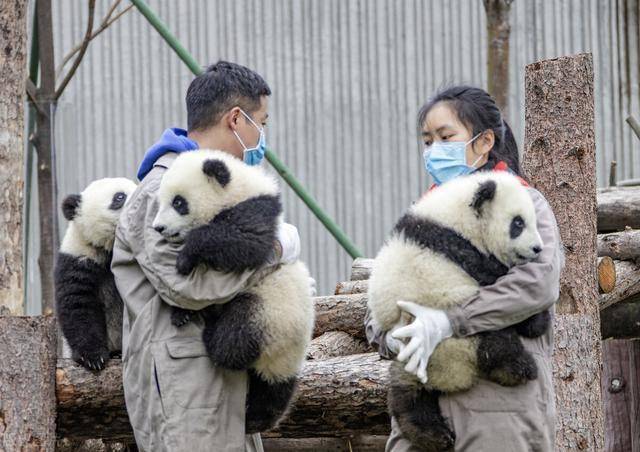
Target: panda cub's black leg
{"points": [[417, 411], [80, 309], [534, 326], [232, 336], [267, 402], [503, 359], [180, 317]]}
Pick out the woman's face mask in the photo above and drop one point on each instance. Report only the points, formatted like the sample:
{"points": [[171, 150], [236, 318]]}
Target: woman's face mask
{"points": [[447, 160], [253, 156]]}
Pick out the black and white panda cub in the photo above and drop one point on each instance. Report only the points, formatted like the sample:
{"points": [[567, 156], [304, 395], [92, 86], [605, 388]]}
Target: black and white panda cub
{"points": [[227, 214], [463, 235], [89, 307]]}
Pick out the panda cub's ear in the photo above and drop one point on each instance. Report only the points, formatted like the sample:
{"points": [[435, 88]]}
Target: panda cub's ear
{"points": [[218, 170], [486, 192], [70, 206]]}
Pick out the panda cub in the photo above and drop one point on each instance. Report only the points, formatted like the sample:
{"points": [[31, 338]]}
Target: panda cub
{"points": [[462, 235], [227, 214], [89, 307]]}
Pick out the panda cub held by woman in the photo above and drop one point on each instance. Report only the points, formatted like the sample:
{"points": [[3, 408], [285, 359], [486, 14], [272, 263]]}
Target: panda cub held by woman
{"points": [[88, 304], [227, 215], [460, 236]]}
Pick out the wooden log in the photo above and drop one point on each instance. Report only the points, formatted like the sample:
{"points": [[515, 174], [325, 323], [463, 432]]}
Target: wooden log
{"points": [[341, 313], [620, 321], [618, 208], [361, 269], [352, 287], [363, 443], [606, 274], [337, 397], [559, 161], [27, 384], [623, 245], [627, 284], [621, 394], [336, 343]]}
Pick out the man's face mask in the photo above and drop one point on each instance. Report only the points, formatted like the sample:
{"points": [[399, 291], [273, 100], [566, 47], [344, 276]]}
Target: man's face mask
{"points": [[448, 160], [253, 156]]}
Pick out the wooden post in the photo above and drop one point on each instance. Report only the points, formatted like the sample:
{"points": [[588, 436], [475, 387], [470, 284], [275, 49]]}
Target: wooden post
{"points": [[498, 31], [13, 74], [27, 384], [621, 394], [560, 162]]}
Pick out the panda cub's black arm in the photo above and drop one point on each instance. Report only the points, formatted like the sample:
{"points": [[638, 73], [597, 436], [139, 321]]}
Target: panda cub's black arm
{"points": [[239, 238], [80, 310]]}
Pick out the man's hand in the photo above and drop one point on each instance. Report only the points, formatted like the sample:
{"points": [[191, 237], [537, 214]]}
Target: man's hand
{"points": [[430, 327]]}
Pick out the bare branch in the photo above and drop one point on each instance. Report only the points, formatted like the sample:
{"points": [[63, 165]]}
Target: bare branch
{"points": [[32, 94], [83, 49], [107, 21]]}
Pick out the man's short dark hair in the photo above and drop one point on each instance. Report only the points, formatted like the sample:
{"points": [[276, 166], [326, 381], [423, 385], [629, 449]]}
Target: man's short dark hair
{"points": [[221, 87]]}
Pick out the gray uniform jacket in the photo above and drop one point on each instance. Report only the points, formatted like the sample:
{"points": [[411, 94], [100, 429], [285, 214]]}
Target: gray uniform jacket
{"points": [[176, 399], [490, 417]]}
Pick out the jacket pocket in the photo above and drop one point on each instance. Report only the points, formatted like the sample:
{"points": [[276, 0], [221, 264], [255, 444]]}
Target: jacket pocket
{"points": [[186, 375]]}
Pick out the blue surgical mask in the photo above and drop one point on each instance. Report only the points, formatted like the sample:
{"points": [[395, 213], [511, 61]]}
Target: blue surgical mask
{"points": [[253, 156], [448, 160]]}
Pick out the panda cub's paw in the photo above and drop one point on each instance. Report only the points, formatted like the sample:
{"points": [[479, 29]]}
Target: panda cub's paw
{"points": [[185, 263], [92, 360], [180, 317]]}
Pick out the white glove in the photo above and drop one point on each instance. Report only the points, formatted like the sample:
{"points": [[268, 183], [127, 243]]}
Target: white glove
{"points": [[312, 287], [289, 242], [393, 345], [430, 327]]}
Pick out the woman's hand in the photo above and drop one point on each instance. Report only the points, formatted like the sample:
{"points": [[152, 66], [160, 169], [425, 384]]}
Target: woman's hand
{"points": [[430, 327]]}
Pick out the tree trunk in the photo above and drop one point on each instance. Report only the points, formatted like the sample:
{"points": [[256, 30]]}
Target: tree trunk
{"points": [[341, 313], [337, 397], [560, 162], [27, 383], [620, 245], [618, 208], [44, 142], [498, 31], [13, 73], [621, 394], [336, 343]]}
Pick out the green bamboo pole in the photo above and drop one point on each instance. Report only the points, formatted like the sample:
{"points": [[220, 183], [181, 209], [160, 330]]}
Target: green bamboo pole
{"points": [[273, 159]]}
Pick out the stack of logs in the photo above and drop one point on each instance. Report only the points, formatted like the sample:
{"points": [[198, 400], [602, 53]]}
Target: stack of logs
{"points": [[619, 210]]}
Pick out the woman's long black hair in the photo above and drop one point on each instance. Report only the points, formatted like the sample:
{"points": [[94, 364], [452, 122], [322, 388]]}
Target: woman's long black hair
{"points": [[477, 110]]}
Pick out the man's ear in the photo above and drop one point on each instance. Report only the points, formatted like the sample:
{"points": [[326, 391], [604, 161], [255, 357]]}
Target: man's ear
{"points": [[232, 117], [485, 193]]}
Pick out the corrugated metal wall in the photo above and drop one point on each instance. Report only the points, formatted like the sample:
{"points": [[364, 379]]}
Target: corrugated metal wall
{"points": [[348, 77]]}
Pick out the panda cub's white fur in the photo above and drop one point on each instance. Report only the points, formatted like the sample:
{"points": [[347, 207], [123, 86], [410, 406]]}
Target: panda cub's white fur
{"points": [[404, 270]]}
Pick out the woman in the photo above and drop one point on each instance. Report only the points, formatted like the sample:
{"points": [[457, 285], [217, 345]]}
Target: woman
{"points": [[463, 132]]}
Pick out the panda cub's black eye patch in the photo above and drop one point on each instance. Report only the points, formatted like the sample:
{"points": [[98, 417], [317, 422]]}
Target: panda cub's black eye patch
{"points": [[516, 228], [180, 205], [118, 201]]}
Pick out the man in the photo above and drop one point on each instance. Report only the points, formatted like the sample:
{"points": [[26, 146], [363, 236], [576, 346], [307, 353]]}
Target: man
{"points": [[176, 399]]}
